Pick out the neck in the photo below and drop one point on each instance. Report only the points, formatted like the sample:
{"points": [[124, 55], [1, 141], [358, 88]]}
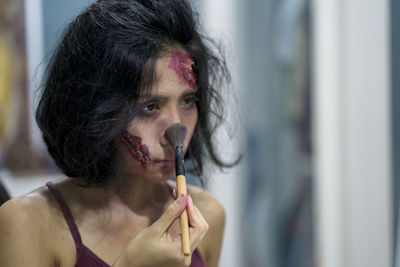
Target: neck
{"points": [[139, 195]]}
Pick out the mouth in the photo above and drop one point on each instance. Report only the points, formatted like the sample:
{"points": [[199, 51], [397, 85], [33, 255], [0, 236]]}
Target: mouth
{"points": [[164, 163], [163, 160]]}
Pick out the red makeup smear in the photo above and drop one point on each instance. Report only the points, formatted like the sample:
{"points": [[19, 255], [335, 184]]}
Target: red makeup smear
{"points": [[138, 150], [182, 64]]}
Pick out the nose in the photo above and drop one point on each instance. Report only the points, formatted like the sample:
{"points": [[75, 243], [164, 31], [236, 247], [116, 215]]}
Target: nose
{"points": [[171, 118]]}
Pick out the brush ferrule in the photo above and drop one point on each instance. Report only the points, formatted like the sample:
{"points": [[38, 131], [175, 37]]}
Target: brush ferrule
{"points": [[179, 161]]}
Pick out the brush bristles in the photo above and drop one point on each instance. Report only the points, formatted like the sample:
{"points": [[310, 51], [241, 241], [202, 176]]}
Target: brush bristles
{"points": [[176, 134]]}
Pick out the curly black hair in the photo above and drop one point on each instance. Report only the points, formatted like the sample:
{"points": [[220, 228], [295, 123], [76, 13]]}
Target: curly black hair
{"points": [[104, 60]]}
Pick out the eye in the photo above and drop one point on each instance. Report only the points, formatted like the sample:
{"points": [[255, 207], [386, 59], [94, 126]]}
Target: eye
{"points": [[188, 101], [150, 107]]}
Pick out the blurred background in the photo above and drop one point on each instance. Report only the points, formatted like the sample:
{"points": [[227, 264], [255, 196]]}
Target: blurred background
{"points": [[314, 108]]}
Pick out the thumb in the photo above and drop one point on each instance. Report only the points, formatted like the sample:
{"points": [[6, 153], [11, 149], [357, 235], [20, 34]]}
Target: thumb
{"points": [[170, 215]]}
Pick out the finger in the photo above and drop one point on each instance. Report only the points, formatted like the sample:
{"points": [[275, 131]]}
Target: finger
{"points": [[170, 215], [198, 225], [195, 216], [174, 192]]}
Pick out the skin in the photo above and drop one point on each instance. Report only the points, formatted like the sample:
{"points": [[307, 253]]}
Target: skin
{"points": [[129, 224]]}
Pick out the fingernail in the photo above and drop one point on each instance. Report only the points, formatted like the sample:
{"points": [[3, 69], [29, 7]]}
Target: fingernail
{"points": [[180, 200], [190, 200]]}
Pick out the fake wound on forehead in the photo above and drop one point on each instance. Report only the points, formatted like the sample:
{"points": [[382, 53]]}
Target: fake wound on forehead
{"points": [[182, 63]]}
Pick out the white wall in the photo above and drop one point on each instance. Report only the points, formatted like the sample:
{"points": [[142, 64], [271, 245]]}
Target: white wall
{"points": [[220, 22], [352, 133]]}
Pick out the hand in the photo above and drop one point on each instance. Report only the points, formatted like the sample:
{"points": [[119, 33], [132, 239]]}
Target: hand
{"points": [[160, 244]]}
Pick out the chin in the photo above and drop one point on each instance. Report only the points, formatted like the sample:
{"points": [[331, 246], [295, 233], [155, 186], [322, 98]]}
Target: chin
{"points": [[163, 174]]}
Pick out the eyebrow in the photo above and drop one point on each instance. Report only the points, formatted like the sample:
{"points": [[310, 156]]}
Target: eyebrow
{"points": [[151, 97]]}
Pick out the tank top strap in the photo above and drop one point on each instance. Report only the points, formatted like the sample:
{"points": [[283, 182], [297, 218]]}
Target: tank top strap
{"points": [[67, 214]]}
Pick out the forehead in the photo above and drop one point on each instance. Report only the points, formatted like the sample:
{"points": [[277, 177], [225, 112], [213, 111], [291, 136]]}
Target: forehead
{"points": [[174, 69]]}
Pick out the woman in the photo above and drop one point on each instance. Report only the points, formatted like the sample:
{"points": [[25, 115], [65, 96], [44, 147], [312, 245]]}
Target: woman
{"points": [[123, 72]]}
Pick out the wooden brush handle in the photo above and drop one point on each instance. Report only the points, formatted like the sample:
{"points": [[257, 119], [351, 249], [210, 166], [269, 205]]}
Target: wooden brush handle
{"points": [[181, 188]]}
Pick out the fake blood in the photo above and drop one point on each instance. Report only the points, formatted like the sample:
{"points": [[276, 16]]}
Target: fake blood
{"points": [[182, 64], [137, 149]]}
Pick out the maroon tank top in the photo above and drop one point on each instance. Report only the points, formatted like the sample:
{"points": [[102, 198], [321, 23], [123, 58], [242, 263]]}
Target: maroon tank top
{"points": [[84, 256]]}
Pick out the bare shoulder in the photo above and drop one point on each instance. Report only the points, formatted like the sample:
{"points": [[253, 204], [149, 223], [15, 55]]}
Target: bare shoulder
{"points": [[24, 224], [210, 207], [29, 210]]}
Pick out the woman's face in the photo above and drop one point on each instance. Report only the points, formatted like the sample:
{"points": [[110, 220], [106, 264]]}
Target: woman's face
{"points": [[146, 152]]}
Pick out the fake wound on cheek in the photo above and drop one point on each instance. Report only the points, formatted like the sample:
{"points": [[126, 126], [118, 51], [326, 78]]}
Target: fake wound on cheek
{"points": [[182, 63], [138, 150]]}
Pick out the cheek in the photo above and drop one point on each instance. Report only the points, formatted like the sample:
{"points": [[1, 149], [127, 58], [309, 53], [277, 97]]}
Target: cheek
{"points": [[190, 124]]}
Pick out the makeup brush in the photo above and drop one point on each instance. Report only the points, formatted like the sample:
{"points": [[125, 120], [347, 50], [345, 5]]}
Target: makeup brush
{"points": [[176, 135]]}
